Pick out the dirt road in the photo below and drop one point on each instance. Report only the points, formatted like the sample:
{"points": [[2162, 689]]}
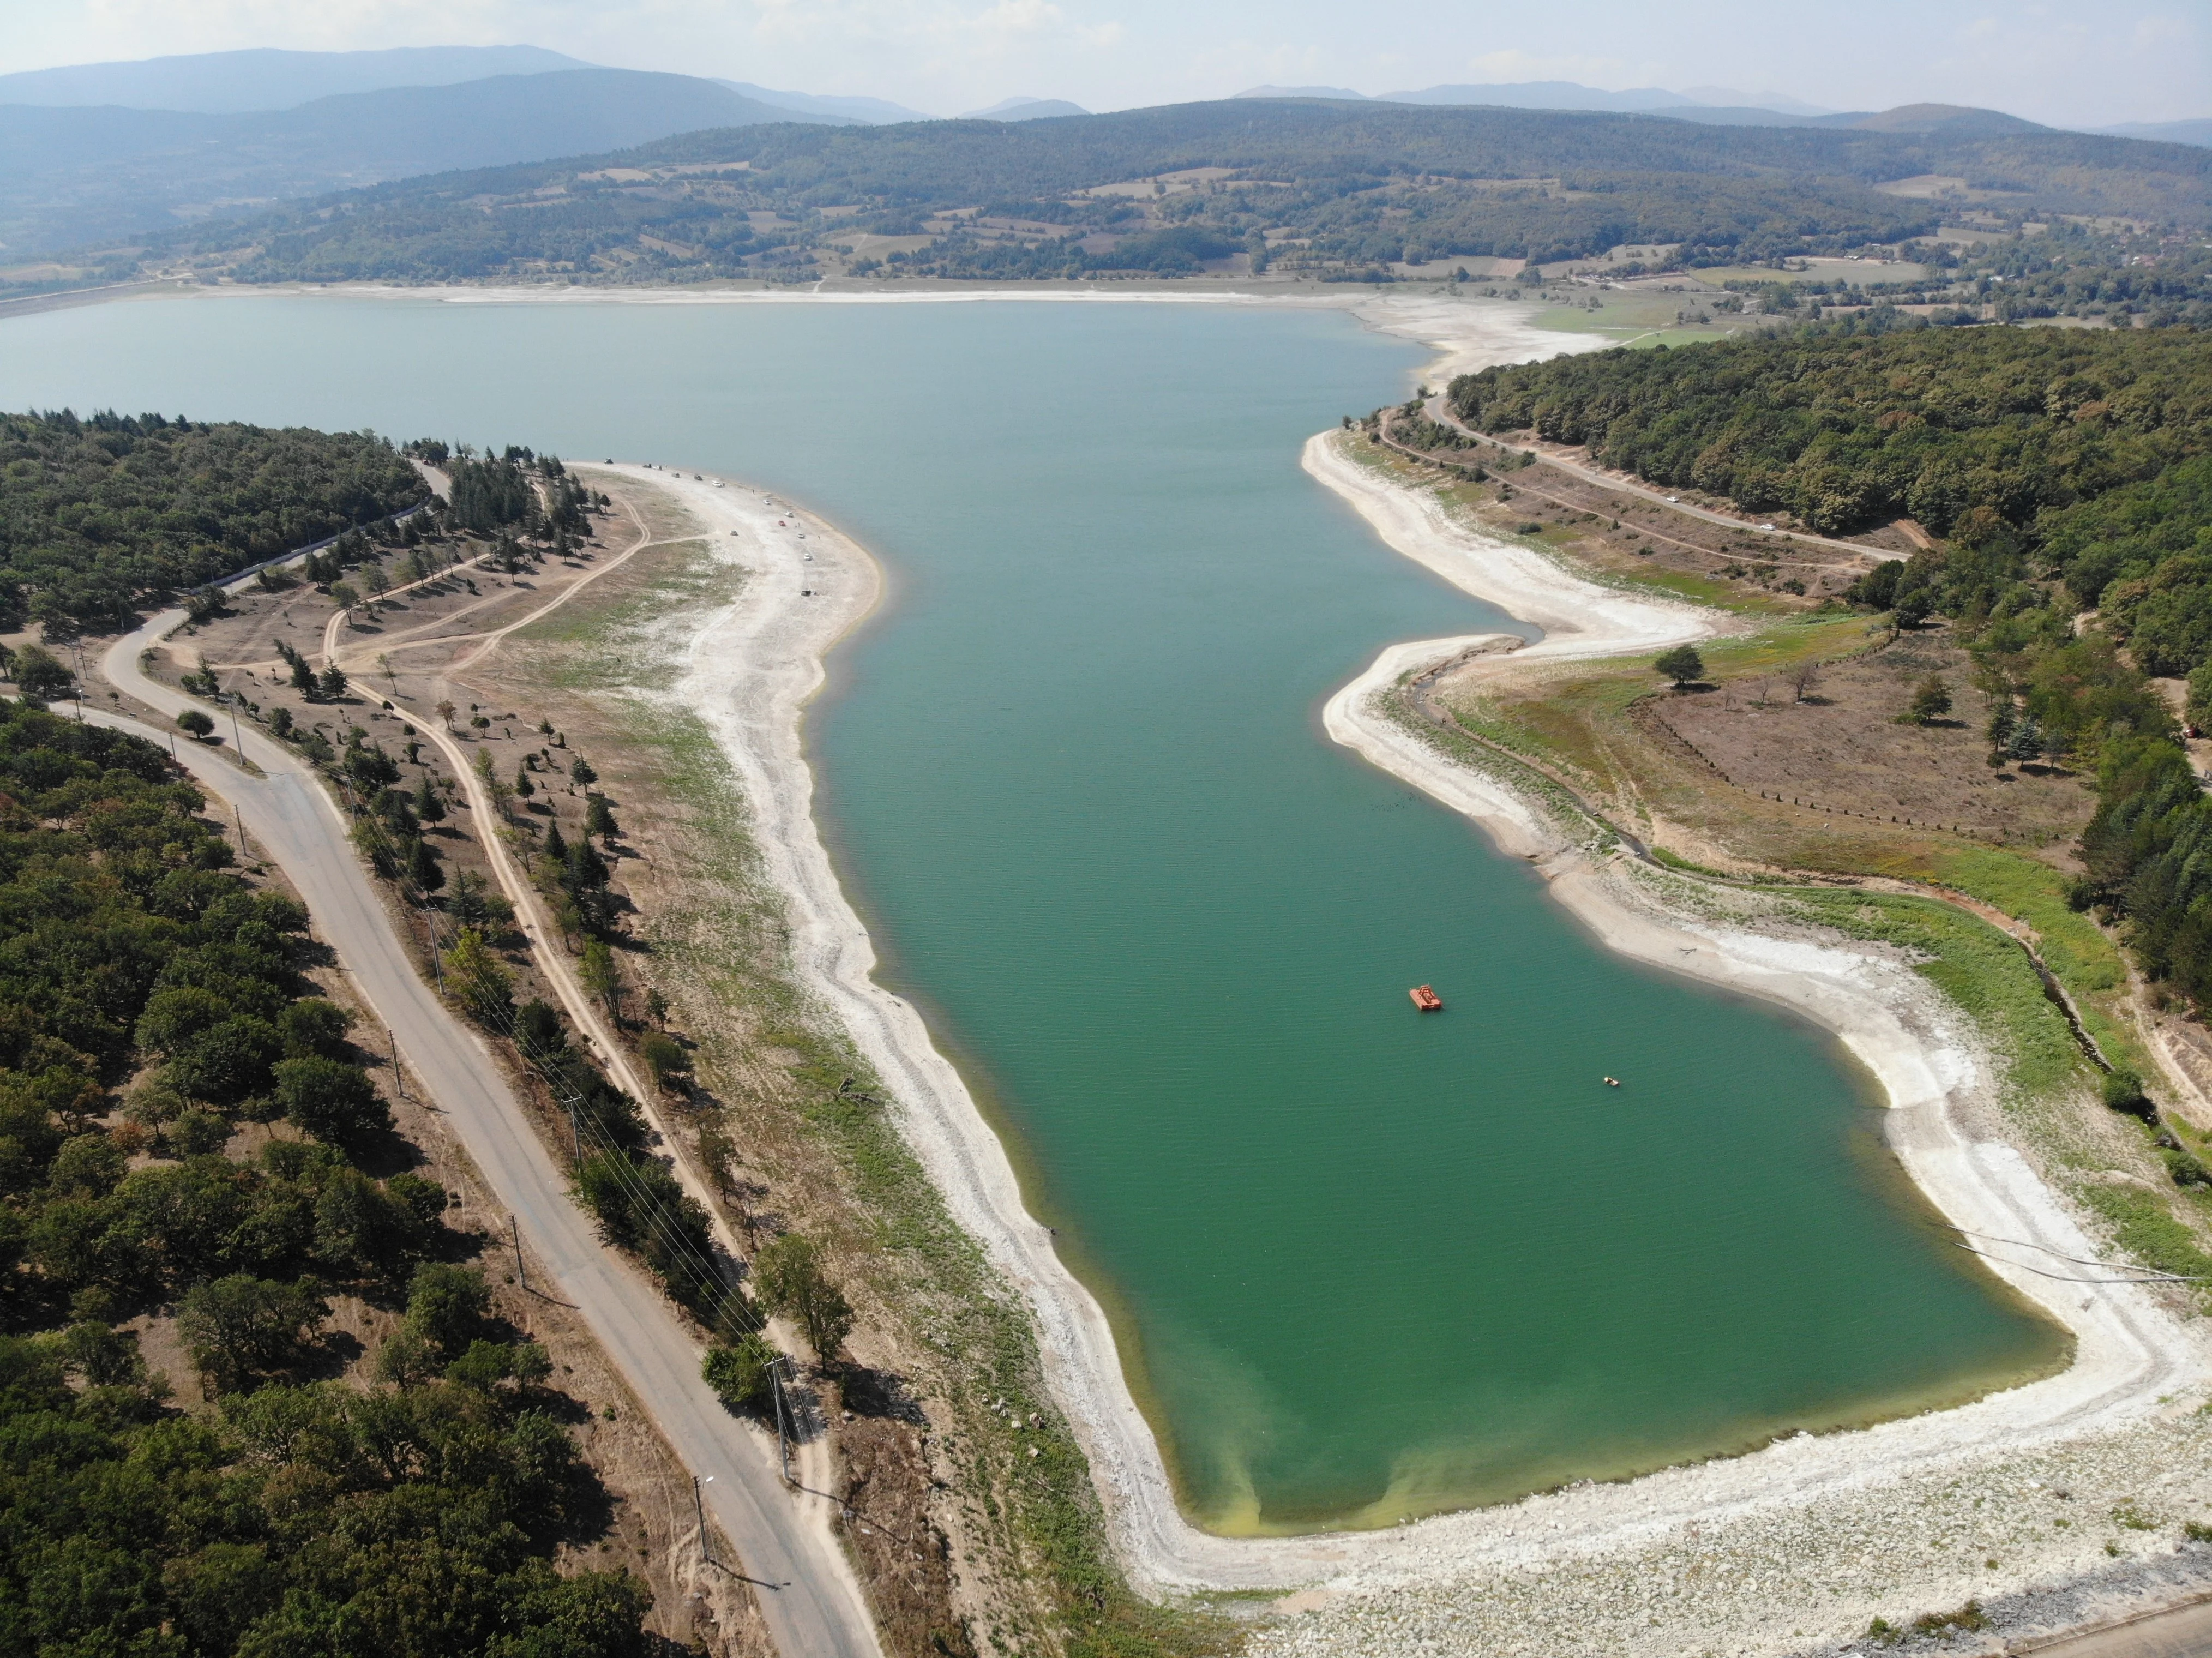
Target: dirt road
{"points": [[806, 1589], [1439, 411]]}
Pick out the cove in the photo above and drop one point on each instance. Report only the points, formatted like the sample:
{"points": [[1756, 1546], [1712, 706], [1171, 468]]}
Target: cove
{"points": [[1363, 1265]]}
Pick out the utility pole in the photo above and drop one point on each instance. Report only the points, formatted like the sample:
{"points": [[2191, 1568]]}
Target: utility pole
{"points": [[782, 1437], [521, 1271], [437, 965], [575, 1138], [398, 1078], [699, 1506], [237, 742], [238, 817]]}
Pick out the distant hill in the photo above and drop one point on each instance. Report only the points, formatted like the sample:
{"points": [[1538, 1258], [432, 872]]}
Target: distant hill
{"points": [[1345, 94], [1336, 187], [1545, 95], [1952, 119], [72, 176], [2170, 132], [1025, 109], [1657, 100], [876, 111], [234, 82]]}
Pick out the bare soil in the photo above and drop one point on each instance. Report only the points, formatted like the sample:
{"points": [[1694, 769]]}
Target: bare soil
{"points": [[1623, 532], [1841, 747]]}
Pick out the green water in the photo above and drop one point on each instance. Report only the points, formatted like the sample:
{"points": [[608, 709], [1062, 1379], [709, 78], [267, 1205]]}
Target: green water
{"points": [[1364, 1264]]}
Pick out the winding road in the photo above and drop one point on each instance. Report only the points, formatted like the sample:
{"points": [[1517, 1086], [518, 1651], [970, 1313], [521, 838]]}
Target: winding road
{"points": [[808, 1593]]}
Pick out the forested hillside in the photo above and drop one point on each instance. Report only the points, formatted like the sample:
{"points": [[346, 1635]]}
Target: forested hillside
{"points": [[1329, 185], [97, 514], [151, 1008], [2065, 471], [1848, 429]]}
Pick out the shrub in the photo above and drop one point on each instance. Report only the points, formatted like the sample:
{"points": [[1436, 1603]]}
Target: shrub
{"points": [[1682, 664], [2123, 1091], [665, 1058], [740, 1374]]}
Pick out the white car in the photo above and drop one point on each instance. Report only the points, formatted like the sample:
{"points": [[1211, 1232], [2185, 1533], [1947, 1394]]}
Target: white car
{"points": [[1673, 501]]}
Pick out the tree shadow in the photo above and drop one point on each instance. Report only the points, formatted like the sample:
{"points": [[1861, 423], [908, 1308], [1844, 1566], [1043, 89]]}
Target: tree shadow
{"points": [[879, 1393]]}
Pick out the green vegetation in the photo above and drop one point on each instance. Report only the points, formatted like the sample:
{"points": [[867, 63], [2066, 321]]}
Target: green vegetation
{"points": [[794, 1284], [740, 1373], [1345, 189], [2144, 853], [1682, 664], [1848, 430], [420, 1516], [97, 514]]}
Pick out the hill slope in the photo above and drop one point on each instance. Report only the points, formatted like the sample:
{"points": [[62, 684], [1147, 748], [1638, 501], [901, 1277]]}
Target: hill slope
{"points": [[73, 176], [233, 82], [1332, 183]]}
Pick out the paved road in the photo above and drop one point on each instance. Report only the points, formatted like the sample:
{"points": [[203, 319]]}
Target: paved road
{"points": [[806, 1590], [1438, 412]]}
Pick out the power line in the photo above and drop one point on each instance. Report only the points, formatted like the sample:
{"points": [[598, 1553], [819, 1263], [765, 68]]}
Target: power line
{"points": [[676, 1250]]}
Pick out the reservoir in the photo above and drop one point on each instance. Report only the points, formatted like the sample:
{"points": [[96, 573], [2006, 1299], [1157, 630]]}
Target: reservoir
{"points": [[1364, 1264]]}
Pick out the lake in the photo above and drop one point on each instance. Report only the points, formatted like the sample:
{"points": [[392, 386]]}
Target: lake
{"points": [[1363, 1265]]}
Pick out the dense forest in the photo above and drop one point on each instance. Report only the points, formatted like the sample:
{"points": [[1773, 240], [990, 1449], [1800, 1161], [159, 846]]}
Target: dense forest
{"points": [[1351, 185], [291, 1514], [1849, 428], [97, 514]]}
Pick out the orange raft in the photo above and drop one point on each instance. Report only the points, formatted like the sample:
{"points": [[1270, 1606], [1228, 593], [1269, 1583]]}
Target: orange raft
{"points": [[1426, 999]]}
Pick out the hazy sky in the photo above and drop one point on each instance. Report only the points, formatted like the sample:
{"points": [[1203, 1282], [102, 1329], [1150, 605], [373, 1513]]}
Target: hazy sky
{"points": [[2075, 65]]}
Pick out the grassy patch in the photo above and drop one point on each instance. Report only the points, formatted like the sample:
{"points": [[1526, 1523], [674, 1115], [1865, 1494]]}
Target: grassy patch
{"points": [[1978, 967], [2144, 1227], [2081, 956]]}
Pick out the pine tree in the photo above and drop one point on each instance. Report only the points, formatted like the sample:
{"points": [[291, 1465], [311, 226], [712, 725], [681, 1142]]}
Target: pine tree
{"points": [[422, 866]]}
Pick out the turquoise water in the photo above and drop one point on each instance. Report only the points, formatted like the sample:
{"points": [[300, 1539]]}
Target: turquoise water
{"points": [[1364, 1264]]}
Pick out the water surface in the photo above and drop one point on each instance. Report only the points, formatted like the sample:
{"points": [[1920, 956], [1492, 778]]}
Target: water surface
{"points": [[1364, 1264]]}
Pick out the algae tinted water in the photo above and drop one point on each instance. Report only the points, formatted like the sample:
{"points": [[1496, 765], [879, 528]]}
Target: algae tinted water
{"points": [[1365, 1263]]}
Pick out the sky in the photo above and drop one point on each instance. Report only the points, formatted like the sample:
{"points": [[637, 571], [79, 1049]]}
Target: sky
{"points": [[2077, 64]]}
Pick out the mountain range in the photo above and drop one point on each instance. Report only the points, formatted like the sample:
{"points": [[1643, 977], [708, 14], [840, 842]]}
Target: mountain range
{"points": [[1655, 100], [101, 153], [70, 176]]}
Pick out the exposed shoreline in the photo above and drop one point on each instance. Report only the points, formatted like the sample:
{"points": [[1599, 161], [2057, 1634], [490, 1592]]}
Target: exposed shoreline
{"points": [[750, 670]]}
